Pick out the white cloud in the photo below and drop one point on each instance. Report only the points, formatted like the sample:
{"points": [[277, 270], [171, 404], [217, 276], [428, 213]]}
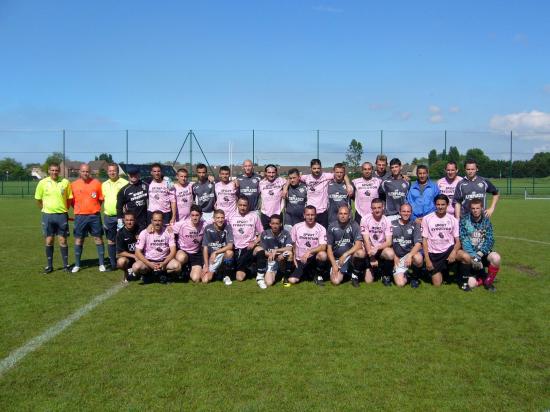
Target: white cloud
{"points": [[379, 106], [533, 122], [521, 39], [436, 118], [405, 115], [454, 109], [546, 88], [327, 9], [434, 109]]}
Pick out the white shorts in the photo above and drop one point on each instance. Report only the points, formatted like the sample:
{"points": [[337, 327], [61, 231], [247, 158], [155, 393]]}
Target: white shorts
{"points": [[213, 267], [273, 266], [344, 269], [401, 267]]}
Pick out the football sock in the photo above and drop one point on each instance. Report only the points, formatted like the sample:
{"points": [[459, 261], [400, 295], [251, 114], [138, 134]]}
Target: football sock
{"points": [[49, 256], [77, 254], [65, 255], [101, 253], [111, 248]]}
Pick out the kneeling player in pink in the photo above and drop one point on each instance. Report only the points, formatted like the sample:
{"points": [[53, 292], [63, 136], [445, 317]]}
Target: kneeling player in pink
{"points": [[155, 252], [217, 249], [189, 232], [476, 237], [440, 239], [247, 228], [377, 235], [406, 245], [345, 248], [275, 249], [310, 244]]}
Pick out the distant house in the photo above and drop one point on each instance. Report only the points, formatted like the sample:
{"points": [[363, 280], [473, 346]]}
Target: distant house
{"points": [[37, 173], [70, 168], [97, 166]]}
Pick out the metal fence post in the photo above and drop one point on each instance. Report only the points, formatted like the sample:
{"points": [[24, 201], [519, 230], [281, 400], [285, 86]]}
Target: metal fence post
{"points": [[318, 144]]}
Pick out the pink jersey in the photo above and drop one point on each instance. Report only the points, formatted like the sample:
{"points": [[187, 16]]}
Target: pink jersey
{"points": [[161, 195], [226, 198], [184, 199], [440, 232], [189, 236], [155, 246], [448, 189], [317, 190], [305, 237], [379, 231], [245, 228], [365, 192], [271, 194]]}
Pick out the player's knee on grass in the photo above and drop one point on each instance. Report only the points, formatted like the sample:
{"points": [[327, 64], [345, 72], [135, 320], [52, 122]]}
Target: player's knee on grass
{"points": [[122, 263], [494, 259], [400, 279], [417, 260], [472, 282], [182, 257], [207, 277], [173, 266], [196, 274], [387, 254], [269, 278], [321, 256], [336, 278], [437, 279], [369, 277], [293, 280], [240, 275]]}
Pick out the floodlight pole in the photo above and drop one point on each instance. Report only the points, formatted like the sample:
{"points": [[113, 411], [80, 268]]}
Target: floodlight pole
{"points": [[191, 153], [510, 172], [381, 141], [253, 143]]}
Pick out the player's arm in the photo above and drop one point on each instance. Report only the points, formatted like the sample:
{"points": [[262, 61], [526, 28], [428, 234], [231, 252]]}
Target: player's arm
{"points": [[456, 248], [489, 212], [320, 248], [224, 249], [489, 242], [368, 244], [120, 204], [332, 258], [140, 256], [170, 256], [255, 242], [382, 192], [205, 259], [349, 186], [427, 259], [285, 189]]}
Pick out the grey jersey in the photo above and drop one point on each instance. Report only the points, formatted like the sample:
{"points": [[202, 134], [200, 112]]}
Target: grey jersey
{"points": [[297, 198], [204, 195], [342, 238], [467, 190], [249, 186], [383, 177], [394, 192], [269, 241], [337, 196], [215, 239], [405, 236]]}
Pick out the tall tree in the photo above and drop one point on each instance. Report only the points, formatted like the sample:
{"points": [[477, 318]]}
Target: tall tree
{"points": [[105, 156], [432, 157], [12, 169], [55, 157], [454, 154], [354, 154]]}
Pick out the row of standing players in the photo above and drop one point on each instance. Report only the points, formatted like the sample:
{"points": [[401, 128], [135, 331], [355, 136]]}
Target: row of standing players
{"points": [[325, 191]]}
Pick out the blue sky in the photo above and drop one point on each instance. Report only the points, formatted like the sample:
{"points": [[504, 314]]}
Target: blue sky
{"points": [[284, 68]]}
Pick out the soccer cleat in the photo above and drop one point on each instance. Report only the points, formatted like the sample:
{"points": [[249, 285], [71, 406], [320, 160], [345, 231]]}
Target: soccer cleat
{"points": [[227, 281], [47, 270], [102, 268], [491, 288], [262, 284], [66, 269], [355, 282], [286, 283], [386, 280], [415, 283], [319, 281], [75, 269], [466, 288], [163, 279]]}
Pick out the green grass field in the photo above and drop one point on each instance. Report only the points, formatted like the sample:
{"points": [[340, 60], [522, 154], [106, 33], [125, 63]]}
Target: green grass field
{"points": [[211, 347]]}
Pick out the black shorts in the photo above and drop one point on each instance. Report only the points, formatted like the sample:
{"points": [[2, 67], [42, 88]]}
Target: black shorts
{"points": [[358, 217], [195, 259], [55, 224], [322, 219], [306, 269], [265, 220], [291, 220], [110, 227], [377, 257], [84, 224], [243, 259], [131, 261], [166, 217], [439, 260]]}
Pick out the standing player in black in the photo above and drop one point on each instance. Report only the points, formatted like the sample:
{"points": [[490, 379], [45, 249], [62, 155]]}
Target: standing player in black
{"points": [[205, 196], [249, 183], [133, 198], [296, 200], [474, 187], [393, 190], [337, 193]]}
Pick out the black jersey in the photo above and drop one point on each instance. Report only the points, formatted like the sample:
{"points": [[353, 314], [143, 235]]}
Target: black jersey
{"points": [[477, 188], [126, 240], [205, 196], [133, 198], [343, 237], [394, 192], [405, 236], [269, 241], [337, 196], [249, 186], [215, 239]]}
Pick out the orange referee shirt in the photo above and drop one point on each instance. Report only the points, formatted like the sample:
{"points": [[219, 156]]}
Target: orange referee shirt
{"points": [[87, 196]]}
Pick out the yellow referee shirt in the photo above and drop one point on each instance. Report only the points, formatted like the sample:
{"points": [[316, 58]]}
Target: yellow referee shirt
{"points": [[53, 194], [110, 190]]}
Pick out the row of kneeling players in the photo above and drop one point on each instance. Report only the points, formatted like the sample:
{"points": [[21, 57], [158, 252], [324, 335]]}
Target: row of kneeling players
{"points": [[398, 251]]}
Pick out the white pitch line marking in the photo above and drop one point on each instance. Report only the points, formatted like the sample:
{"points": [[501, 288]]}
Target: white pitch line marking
{"points": [[524, 240], [18, 354]]}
